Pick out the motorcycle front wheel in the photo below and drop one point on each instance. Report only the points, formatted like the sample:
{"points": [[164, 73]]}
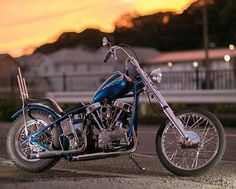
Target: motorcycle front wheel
{"points": [[184, 159]]}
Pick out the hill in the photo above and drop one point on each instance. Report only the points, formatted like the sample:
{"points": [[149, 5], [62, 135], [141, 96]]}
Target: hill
{"points": [[164, 31]]}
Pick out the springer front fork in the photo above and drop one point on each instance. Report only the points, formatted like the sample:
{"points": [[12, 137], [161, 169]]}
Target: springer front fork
{"points": [[168, 111]]}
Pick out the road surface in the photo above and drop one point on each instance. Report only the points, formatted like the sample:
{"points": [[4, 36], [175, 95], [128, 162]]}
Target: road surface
{"points": [[119, 172]]}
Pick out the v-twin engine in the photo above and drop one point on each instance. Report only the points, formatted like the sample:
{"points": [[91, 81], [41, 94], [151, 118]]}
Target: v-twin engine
{"points": [[110, 124]]}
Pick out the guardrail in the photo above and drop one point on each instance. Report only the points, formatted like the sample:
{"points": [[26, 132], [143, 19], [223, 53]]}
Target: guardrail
{"points": [[175, 85], [204, 96]]}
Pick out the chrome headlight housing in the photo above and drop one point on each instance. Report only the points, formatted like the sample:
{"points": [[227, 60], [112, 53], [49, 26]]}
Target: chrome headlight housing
{"points": [[156, 75]]}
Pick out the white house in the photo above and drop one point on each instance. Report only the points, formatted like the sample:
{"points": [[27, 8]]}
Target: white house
{"points": [[73, 69], [219, 59], [186, 70], [8, 72]]}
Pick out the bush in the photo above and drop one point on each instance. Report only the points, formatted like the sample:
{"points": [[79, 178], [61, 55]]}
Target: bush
{"points": [[9, 106]]}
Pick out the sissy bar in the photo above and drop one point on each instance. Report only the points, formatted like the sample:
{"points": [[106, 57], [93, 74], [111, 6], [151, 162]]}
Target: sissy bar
{"points": [[24, 95], [22, 86]]}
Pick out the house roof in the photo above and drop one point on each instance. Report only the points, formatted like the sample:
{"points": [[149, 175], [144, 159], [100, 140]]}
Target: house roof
{"points": [[187, 56], [8, 65], [6, 58]]}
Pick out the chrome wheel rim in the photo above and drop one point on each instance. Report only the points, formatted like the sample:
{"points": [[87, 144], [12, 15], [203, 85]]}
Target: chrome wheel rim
{"points": [[191, 158], [23, 147]]}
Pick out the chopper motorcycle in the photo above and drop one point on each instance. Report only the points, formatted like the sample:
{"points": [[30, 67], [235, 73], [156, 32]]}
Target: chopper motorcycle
{"points": [[188, 143]]}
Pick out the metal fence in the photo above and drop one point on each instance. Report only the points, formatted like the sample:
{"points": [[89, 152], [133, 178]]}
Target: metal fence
{"points": [[172, 81], [199, 80]]}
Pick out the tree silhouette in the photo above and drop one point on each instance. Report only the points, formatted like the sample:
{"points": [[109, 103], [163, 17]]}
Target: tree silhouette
{"points": [[165, 31]]}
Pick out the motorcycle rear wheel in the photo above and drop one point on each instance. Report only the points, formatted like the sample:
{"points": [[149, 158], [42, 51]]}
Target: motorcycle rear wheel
{"points": [[19, 149], [184, 160]]}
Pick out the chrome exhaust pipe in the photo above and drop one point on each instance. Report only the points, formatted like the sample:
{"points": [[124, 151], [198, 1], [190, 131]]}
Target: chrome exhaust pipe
{"points": [[101, 155], [52, 154], [107, 154], [60, 153]]}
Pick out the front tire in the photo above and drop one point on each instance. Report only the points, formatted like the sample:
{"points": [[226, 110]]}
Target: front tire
{"points": [[19, 149], [183, 160]]}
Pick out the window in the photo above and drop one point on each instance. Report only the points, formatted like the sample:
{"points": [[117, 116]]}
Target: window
{"points": [[57, 68], [46, 69], [88, 68], [75, 67]]}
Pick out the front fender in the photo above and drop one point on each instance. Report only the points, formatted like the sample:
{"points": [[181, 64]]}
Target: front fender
{"points": [[41, 107]]}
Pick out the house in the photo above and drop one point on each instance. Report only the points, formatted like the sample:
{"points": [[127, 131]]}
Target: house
{"points": [[73, 69], [219, 59], [8, 73], [187, 70]]}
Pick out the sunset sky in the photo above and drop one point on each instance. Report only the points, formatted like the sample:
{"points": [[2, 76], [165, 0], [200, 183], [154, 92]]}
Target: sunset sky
{"points": [[26, 24]]}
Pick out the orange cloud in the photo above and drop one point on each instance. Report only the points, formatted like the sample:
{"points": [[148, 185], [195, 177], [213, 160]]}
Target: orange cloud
{"points": [[150, 5], [31, 23]]}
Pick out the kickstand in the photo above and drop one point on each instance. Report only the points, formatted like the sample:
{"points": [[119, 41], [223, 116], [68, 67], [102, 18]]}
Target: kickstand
{"points": [[136, 163]]}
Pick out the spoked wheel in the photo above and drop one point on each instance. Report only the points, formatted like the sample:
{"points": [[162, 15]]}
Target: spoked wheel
{"points": [[186, 158], [20, 148], [25, 148]]}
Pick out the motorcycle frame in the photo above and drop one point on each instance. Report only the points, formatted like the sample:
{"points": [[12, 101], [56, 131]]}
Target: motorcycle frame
{"points": [[148, 84], [133, 126]]}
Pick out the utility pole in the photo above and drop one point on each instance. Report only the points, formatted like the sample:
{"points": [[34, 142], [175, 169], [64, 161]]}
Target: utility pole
{"points": [[206, 43]]}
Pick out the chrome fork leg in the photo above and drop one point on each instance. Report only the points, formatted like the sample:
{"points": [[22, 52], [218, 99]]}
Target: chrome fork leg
{"points": [[177, 123], [167, 110]]}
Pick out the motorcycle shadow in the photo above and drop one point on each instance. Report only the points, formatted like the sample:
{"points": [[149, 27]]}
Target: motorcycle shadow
{"points": [[121, 166]]}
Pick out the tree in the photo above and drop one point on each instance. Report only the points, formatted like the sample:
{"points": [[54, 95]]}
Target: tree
{"points": [[165, 31]]}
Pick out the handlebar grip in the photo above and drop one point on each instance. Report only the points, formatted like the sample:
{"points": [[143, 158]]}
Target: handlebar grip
{"points": [[107, 57]]}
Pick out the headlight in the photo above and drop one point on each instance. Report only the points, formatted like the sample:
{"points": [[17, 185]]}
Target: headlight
{"points": [[157, 75]]}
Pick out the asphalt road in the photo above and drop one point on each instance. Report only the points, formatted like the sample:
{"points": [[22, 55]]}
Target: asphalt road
{"points": [[147, 136], [119, 172]]}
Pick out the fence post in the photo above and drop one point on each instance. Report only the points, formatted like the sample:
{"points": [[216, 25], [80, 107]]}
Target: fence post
{"points": [[197, 78], [64, 81], [12, 83]]}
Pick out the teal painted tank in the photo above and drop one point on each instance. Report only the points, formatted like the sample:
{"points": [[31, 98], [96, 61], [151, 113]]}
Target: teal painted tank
{"points": [[115, 86]]}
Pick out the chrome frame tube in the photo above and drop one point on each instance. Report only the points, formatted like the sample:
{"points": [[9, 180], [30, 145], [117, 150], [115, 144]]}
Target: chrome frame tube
{"points": [[60, 153]]}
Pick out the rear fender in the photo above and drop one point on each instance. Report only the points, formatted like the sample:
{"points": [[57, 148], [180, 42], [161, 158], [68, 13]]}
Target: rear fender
{"points": [[41, 107]]}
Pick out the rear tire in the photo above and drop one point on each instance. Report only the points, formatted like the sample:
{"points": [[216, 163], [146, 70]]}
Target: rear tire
{"points": [[18, 147], [185, 161]]}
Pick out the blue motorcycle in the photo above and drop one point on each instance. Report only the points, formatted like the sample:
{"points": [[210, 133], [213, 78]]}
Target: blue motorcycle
{"points": [[188, 143]]}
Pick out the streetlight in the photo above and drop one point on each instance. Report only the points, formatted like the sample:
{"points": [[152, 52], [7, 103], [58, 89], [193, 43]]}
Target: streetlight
{"points": [[206, 40], [195, 64], [231, 47], [231, 54], [170, 64], [233, 63], [227, 58]]}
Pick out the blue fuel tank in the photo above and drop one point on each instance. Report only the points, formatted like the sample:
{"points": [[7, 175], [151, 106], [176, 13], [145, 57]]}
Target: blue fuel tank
{"points": [[115, 86]]}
